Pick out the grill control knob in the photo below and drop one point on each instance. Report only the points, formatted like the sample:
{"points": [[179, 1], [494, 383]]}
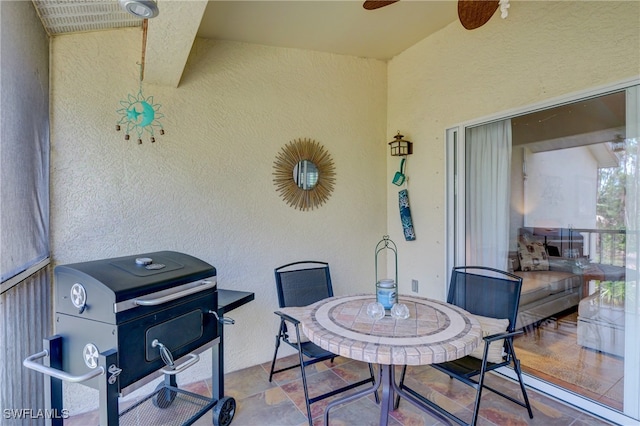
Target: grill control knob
{"points": [[144, 261]]}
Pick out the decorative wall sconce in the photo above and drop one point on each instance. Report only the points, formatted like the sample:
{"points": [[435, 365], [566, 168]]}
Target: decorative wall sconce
{"points": [[400, 146]]}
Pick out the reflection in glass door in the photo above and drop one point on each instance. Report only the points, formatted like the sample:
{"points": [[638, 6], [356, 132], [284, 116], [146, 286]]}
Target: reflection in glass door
{"points": [[552, 195]]}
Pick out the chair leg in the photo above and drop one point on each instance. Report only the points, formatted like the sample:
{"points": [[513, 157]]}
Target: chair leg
{"points": [[400, 385], [518, 370], [476, 405], [373, 378], [275, 353], [304, 385]]}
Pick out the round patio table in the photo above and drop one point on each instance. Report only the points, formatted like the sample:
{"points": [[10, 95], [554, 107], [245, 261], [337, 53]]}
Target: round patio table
{"points": [[435, 332]]}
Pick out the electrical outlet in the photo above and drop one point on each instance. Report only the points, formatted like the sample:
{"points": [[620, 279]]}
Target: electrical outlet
{"points": [[414, 286]]}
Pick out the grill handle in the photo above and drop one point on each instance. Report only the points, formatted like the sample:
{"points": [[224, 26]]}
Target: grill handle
{"points": [[193, 358], [30, 363], [167, 357], [202, 285], [165, 353]]}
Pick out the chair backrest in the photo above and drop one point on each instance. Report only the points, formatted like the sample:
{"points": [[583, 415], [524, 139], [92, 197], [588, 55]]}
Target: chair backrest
{"points": [[486, 291], [303, 283]]}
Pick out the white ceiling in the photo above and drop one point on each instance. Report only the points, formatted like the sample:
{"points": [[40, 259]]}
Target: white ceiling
{"points": [[342, 27], [336, 26]]}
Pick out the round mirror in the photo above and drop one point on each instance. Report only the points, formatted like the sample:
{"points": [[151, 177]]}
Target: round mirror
{"points": [[305, 174]]}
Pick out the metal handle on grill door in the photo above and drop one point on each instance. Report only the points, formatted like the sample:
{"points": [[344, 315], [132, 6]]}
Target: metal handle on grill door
{"points": [[167, 357], [30, 363], [165, 353], [193, 358], [203, 285]]}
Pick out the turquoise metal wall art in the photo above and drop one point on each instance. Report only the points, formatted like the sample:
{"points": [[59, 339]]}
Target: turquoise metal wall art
{"points": [[139, 116], [405, 215]]}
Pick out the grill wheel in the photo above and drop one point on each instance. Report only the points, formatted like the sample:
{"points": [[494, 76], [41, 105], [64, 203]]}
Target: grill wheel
{"points": [[164, 396], [224, 411]]}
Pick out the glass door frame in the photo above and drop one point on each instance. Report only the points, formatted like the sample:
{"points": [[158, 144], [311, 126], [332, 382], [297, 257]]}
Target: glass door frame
{"points": [[456, 243]]}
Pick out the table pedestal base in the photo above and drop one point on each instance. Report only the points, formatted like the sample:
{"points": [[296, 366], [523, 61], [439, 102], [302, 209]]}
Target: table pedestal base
{"points": [[386, 379]]}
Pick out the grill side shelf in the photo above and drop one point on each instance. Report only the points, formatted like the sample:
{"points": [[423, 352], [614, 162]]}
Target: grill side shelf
{"points": [[229, 300]]}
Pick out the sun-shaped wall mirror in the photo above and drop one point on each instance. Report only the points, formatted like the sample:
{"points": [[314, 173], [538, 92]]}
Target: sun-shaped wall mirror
{"points": [[304, 174]]}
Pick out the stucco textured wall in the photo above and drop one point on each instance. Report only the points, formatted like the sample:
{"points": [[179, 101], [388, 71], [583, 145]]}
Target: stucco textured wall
{"points": [[205, 187], [541, 51]]}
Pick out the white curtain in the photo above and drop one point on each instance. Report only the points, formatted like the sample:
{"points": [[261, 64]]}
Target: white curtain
{"points": [[488, 156]]}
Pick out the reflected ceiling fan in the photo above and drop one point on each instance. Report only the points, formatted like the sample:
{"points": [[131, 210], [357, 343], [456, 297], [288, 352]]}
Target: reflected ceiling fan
{"points": [[472, 13]]}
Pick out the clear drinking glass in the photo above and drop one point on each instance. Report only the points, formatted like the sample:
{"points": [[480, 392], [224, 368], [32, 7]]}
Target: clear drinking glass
{"points": [[400, 311], [375, 310]]}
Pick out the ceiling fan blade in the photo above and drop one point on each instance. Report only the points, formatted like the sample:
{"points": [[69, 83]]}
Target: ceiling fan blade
{"points": [[475, 13], [375, 4]]}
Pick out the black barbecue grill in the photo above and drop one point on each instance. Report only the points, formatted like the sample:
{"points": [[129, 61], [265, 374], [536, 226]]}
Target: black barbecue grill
{"points": [[120, 320]]}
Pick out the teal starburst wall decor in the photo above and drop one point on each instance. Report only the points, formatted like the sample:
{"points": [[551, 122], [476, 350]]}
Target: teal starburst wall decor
{"points": [[139, 115]]}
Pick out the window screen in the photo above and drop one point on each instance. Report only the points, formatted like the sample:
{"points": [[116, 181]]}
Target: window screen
{"points": [[24, 142]]}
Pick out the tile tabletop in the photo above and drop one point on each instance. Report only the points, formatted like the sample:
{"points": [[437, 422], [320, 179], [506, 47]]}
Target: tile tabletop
{"points": [[434, 332]]}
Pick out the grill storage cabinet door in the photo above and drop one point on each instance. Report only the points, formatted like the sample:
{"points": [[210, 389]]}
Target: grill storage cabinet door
{"points": [[119, 320], [182, 328]]}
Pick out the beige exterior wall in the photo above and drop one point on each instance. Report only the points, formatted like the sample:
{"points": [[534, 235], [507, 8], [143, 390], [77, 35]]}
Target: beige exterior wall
{"points": [[541, 51], [205, 188]]}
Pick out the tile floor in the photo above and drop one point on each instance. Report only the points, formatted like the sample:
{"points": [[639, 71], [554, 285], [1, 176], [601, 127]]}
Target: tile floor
{"points": [[546, 351], [281, 402]]}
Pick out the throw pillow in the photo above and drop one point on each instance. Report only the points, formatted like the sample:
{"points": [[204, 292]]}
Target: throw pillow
{"points": [[491, 326], [294, 312], [532, 256]]}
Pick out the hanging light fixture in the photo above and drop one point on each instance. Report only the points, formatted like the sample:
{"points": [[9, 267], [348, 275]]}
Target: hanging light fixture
{"points": [[400, 146], [145, 9]]}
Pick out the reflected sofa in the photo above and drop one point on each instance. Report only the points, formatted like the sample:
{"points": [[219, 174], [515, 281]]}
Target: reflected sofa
{"points": [[550, 284], [546, 293]]}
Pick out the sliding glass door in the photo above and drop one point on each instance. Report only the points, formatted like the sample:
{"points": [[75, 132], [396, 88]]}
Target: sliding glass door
{"points": [[632, 256], [551, 194]]}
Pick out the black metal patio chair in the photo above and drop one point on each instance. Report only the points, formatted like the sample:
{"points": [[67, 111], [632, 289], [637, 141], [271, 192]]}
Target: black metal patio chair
{"points": [[300, 284], [492, 296]]}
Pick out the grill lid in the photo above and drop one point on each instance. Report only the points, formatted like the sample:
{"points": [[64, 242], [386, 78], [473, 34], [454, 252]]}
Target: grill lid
{"points": [[133, 276]]}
